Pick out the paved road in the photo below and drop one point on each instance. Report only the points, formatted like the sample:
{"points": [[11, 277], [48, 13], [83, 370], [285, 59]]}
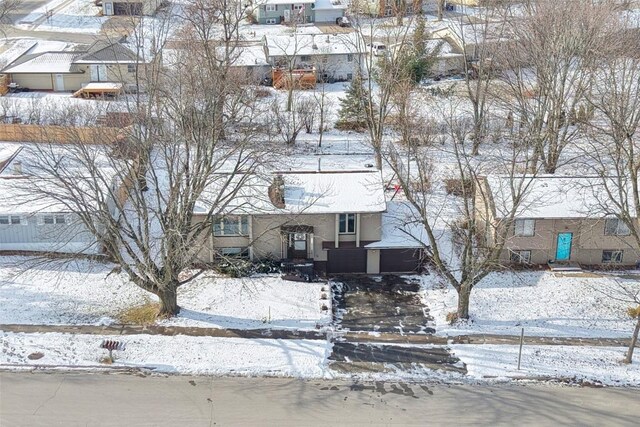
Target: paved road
{"points": [[52, 399]]}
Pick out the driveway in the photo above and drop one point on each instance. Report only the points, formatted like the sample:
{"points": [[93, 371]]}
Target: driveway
{"points": [[387, 303]]}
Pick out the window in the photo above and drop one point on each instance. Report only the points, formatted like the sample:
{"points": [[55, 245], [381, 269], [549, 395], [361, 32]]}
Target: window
{"points": [[298, 7], [521, 257], [10, 220], [347, 224], [234, 252], [54, 219], [612, 256], [615, 227], [131, 68], [349, 76], [271, 8], [525, 227], [349, 57], [271, 21], [231, 226], [305, 58]]}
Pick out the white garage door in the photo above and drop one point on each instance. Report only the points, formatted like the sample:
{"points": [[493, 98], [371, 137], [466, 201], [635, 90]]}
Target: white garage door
{"points": [[328, 15]]}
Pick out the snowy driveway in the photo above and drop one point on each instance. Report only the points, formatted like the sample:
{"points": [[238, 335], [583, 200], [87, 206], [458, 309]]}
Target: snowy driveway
{"points": [[387, 303]]}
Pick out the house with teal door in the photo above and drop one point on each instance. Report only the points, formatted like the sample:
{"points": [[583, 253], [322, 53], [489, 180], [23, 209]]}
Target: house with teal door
{"points": [[562, 220]]}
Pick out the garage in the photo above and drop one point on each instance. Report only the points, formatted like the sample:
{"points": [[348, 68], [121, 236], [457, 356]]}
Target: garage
{"points": [[348, 260], [400, 260]]}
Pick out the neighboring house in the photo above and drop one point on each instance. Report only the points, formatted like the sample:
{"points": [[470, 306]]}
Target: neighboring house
{"points": [[70, 71], [334, 57], [284, 11], [382, 8], [470, 38], [558, 222], [447, 60], [30, 221], [301, 11], [336, 220], [130, 7]]}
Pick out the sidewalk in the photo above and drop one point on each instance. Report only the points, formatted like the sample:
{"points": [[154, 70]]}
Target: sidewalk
{"points": [[355, 337]]}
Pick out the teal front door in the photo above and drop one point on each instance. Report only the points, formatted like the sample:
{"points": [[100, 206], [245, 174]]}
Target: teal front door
{"points": [[563, 252]]}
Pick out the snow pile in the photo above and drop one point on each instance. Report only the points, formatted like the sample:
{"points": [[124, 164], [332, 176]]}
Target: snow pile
{"points": [[174, 354], [601, 364], [544, 303]]}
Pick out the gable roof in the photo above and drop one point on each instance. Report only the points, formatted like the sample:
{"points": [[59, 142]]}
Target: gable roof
{"points": [[44, 62], [314, 44], [102, 52]]}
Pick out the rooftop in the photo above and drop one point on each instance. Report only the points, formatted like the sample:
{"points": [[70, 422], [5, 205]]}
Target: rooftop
{"points": [[315, 44]]}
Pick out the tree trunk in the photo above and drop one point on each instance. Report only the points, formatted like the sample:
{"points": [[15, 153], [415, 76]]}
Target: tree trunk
{"points": [[168, 302], [464, 295], [632, 344]]}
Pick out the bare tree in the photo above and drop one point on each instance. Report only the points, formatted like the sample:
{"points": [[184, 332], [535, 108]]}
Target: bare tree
{"points": [[7, 7], [475, 230], [628, 293], [554, 51], [150, 198]]}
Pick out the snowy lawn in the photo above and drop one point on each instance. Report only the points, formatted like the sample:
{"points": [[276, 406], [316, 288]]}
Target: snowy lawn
{"points": [[83, 292], [584, 363], [174, 354], [544, 303]]}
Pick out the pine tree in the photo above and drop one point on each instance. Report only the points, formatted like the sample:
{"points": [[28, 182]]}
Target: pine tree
{"points": [[352, 114]]}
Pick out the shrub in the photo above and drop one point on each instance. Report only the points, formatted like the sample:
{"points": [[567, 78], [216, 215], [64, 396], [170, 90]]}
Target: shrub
{"points": [[452, 317], [143, 315], [353, 125], [459, 187]]}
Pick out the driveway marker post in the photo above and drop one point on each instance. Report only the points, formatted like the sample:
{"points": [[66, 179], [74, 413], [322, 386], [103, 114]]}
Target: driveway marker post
{"points": [[520, 352]]}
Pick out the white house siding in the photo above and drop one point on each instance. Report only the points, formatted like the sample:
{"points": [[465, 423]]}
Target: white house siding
{"points": [[32, 235]]}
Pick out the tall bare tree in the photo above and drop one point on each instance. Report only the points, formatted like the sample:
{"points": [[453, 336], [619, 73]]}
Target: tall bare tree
{"points": [[190, 149]]}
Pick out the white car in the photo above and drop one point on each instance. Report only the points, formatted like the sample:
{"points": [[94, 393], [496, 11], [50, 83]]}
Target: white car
{"points": [[378, 49]]}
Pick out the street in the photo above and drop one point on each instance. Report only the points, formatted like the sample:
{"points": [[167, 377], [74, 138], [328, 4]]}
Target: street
{"points": [[69, 399]]}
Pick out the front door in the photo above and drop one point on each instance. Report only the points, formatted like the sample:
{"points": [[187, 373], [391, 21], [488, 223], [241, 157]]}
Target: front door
{"points": [[59, 83], [297, 248], [563, 251]]}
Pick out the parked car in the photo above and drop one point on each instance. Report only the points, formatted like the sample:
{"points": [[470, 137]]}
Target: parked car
{"points": [[343, 21], [378, 49]]}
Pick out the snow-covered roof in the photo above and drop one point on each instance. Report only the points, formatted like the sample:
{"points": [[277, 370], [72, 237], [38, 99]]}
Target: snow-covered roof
{"points": [[550, 196], [306, 192], [314, 44], [48, 62], [102, 52], [401, 228], [330, 4]]}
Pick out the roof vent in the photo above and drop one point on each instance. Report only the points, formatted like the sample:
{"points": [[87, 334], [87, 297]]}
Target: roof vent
{"points": [[17, 167], [314, 46]]}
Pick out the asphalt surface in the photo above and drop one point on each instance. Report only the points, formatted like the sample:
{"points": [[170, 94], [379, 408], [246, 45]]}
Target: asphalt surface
{"points": [[71, 399]]}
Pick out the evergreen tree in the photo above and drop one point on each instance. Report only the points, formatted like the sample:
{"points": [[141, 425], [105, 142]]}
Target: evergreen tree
{"points": [[352, 112]]}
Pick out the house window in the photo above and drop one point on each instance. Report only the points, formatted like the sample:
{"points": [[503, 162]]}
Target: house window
{"points": [[234, 252], [131, 68], [271, 21], [56, 219], [298, 7], [271, 8], [521, 257], [349, 76], [10, 220], [349, 57], [305, 58], [615, 227], [525, 227], [347, 224], [612, 256], [231, 226]]}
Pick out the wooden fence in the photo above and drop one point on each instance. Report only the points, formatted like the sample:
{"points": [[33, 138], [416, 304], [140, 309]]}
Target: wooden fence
{"points": [[60, 134]]}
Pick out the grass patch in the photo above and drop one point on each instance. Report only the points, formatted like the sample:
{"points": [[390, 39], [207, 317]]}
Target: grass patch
{"points": [[145, 314]]}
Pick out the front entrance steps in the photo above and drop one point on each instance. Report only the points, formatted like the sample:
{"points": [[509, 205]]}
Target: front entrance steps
{"points": [[564, 266]]}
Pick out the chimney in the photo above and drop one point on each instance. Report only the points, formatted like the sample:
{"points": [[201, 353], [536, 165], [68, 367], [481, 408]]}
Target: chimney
{"points": [[17, 167], [276, 191]]}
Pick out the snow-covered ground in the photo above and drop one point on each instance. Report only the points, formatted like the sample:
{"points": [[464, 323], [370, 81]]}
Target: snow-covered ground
{"points": [[601, 364], [174, 354], [84, 292], [544, 303], [69, 16]]}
